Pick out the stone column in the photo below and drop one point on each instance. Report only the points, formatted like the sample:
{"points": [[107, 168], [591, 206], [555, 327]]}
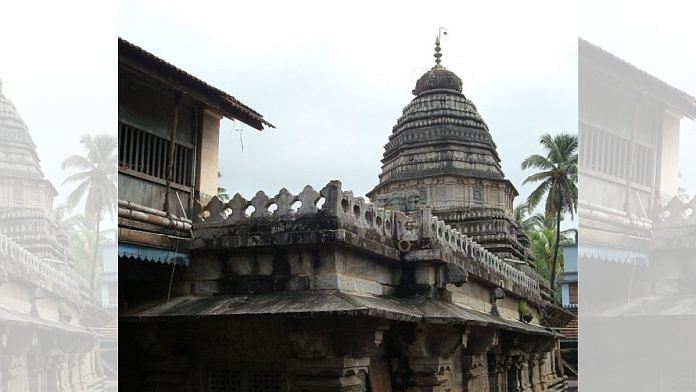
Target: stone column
{"points": [[16, 344], [516, 366], [535, 371], [328, 375], [543, 352], [426, 362], [478, 342], [430, 374], [333, 355], [496, 372]]}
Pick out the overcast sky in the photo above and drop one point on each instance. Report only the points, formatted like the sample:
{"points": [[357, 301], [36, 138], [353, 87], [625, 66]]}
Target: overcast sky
{"points": [[58, 66], [335, 80], [658, 39]]}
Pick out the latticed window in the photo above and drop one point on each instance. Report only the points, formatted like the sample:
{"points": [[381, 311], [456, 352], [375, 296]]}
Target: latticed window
{"points": [[246, 380], [224, 381], [144, 152], [266, 381], [611, 154]]}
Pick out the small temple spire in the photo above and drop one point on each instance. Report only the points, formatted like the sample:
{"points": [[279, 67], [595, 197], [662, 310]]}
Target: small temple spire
{"points": [[437, 45]]}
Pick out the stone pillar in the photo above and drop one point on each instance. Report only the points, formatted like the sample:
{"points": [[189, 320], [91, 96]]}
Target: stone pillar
{"points": [[525, 384], [333, 355], [496, 373], [328, 375], [478, 342], [426, 362], [516, 364], [543, 354], [16, 345], [535, 371], [430, 374]]}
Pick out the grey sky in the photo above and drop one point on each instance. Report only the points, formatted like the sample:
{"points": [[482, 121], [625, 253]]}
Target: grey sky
{"points": [[58, 66], [334, 80]]}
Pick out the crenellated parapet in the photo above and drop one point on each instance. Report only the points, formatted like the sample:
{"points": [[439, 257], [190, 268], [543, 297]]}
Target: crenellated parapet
{"points": [[333, 214], [331, 201]]}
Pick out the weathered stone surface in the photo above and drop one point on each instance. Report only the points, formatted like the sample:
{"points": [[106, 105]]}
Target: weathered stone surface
{"points": [[441, 154]]}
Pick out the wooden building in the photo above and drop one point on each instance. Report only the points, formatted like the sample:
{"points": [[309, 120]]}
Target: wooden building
{"points": [[636, 234], [168, 133]]}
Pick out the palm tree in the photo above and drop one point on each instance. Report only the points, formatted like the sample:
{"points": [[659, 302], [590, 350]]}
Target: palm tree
{"points": [[520, 212], [529, 223], [82, 242], [222, 192], [542, 243], [557, 178], [96, 178]]}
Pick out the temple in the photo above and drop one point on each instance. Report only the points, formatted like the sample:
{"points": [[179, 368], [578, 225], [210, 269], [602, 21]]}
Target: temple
{"points": [[47, 310], [441, 154], [421, 289]]}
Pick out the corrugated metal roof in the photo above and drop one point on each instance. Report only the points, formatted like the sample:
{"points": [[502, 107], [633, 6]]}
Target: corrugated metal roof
{"points": [[216, 98], [312, 304]]}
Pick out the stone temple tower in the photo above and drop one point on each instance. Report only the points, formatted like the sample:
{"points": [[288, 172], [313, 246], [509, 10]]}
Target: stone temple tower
{"points": [[441, 154], [26, 196]]}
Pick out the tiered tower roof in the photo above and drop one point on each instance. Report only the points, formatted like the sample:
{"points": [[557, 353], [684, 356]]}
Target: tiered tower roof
{"points": [[441, 154], [26, 196]]}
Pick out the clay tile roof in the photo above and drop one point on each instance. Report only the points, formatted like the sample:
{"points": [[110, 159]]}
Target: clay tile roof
{"points": [[228, 105]]}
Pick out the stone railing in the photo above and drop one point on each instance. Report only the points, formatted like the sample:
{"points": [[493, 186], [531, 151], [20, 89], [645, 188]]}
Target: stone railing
{"points": [[449, 237], [16, 260], [392, 225]]}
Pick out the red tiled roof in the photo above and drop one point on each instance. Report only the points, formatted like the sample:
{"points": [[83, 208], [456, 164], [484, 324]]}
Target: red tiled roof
{"points": [[570, 331]]}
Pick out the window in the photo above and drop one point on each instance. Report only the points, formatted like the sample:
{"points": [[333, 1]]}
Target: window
{"points": [[609, 154], [265, 381], [573, 292], [224, 381], [144, 152]]}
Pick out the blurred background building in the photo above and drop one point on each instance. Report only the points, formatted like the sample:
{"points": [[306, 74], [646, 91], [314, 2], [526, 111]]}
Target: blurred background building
{"points": [[635, 230], [48, 312]]}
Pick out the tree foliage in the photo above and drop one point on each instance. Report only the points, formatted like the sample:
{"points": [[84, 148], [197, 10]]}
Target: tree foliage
{"points": [[95, 177], [556, 180]]}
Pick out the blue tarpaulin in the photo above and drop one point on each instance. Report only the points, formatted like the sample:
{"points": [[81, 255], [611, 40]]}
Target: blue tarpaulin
{"points": [[155, 255]]}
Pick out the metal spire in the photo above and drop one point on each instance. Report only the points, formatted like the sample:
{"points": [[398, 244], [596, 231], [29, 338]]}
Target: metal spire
{"points": [[437, 54]]}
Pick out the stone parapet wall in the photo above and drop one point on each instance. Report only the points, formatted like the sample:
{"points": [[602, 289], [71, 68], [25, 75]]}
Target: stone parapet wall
{"points": [[334, 215], [16, 260]]}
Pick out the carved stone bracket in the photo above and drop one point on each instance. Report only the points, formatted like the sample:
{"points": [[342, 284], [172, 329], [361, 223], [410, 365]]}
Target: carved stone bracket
{"points": [[328, 375]]}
